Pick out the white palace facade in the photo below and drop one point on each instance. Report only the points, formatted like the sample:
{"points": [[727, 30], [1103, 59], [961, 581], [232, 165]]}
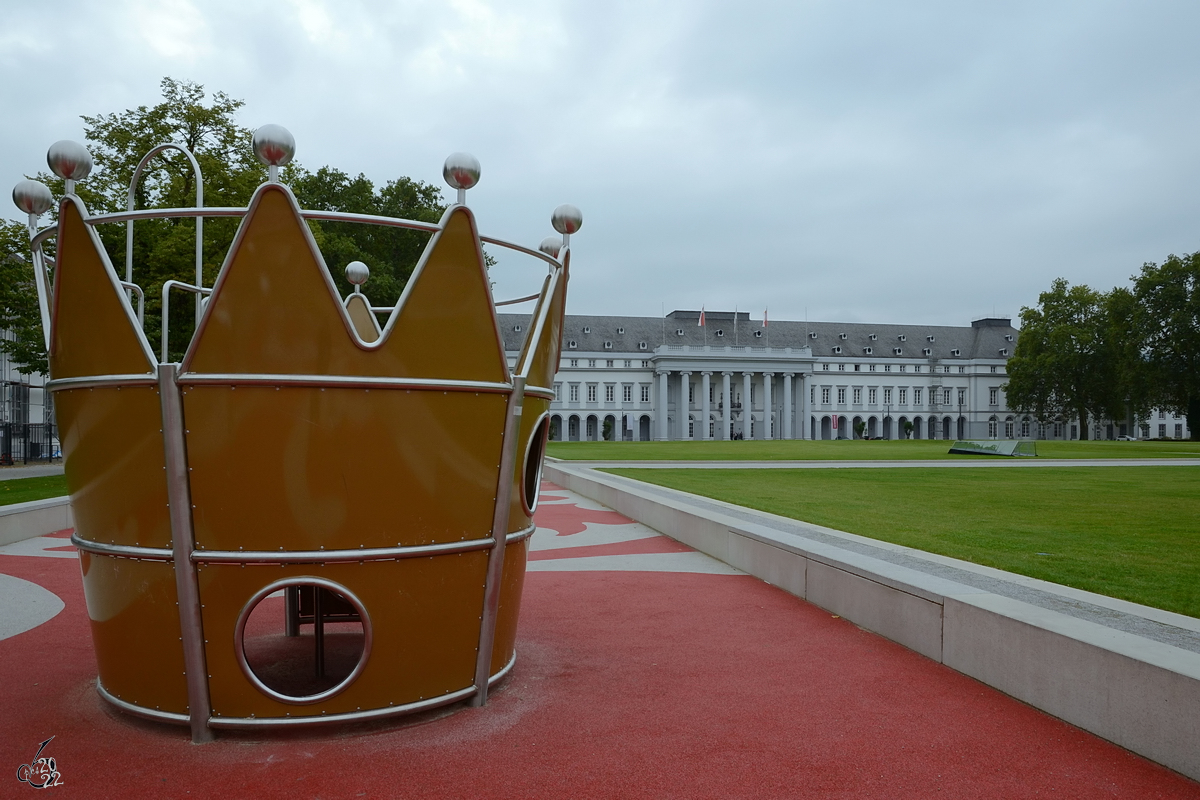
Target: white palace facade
{"points": [[651, 378]]}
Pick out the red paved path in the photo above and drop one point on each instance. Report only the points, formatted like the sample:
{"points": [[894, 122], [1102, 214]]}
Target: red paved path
{"points": [[628, 684]]}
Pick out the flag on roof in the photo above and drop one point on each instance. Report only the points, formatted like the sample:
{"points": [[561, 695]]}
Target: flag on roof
{"points": [[764, 318], [701, 322]]}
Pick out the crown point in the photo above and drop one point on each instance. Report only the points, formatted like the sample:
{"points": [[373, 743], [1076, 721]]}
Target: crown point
{"points": [[461, 170], [69, 160], [567, 219], [32, 197], [357, 273], [551, 245], [274, 145]]}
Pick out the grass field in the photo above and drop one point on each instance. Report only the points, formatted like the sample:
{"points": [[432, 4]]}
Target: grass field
{"points": [[22, 490], [1131, 533], [896, 449]]}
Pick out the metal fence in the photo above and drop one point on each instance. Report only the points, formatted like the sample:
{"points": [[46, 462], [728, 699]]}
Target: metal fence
{"points": [[21, 444]]}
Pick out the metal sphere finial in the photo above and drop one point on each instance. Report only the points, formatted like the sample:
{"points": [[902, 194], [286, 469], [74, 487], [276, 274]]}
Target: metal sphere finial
{"points": [[357, 273], [461, 170], [32, 197], [274, 145], [69, 160], [551, 245], [567, 219]]}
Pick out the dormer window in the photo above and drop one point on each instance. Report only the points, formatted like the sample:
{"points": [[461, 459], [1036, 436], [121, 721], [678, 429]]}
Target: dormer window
{"points": [[929, 338], [837, 349], [868, 350], [872, 337], [720, 332], [608, 345], [927, 351], [572, 344], [812, 334], [902, 338], [758, 334], [517, 328], [955, 352], [587, 329], [842, 336], [620, 330], [897, 350], [641, 345], [1008, 337], [1004, 351], [679, 331]]}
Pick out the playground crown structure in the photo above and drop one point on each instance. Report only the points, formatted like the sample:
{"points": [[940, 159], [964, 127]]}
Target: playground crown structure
{"points": [[365, 558]]}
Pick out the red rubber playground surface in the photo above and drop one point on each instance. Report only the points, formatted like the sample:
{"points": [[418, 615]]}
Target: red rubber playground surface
{"points": [[644, 669]]}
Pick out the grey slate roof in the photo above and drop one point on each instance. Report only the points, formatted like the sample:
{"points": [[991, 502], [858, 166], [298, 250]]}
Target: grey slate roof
{"points": [[983, 339]]}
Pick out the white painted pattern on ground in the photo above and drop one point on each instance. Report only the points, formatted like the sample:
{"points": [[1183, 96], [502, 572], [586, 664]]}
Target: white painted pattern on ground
{"points": [[26, 605]]}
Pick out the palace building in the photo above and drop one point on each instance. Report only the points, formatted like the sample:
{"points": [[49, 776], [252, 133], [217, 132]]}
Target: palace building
{"points": [[672, 378]]}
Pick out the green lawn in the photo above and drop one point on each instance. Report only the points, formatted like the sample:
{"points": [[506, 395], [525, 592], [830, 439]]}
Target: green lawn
{"points": [[896, 449], [1132, 533], [22, 490]]}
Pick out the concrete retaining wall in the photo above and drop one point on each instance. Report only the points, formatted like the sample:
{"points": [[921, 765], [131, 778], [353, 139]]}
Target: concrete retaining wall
{"points": [[1141, 694], [38, 517]]}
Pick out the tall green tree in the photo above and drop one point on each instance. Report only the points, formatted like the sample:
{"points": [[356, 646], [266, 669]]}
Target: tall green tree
{"points": [[207, 125], [19, 313], [1065, 363], [1168, 298]]}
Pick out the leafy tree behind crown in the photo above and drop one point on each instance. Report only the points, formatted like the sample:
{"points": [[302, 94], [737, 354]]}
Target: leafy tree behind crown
{"points": [[1066, 360], [165, 249], [1168, 305]]}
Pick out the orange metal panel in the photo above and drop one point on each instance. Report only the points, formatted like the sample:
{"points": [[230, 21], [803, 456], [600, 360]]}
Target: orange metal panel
{"points": [[274, 308], [303, 468], [511, 586], [425, 618], [135, 630], [93, 330], [362, 317], [539, 360], [113, 454]]}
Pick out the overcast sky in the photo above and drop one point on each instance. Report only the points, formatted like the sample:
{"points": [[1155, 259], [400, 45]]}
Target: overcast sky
{"points": [[917, 162]]}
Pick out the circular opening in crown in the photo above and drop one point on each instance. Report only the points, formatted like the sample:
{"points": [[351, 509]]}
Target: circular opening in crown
{"points": [[303, 640], [531, 475]]}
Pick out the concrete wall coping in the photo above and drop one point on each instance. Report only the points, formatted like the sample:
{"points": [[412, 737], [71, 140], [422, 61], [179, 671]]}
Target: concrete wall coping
{"points": [[34, 505]]}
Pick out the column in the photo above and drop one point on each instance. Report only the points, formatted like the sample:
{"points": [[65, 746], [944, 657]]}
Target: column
{"points": [[660, 407], [727, 414], [618, 395], [747, 409], [768, 379], [805, 413], [704, 406], [685, 381], [787, 404]]}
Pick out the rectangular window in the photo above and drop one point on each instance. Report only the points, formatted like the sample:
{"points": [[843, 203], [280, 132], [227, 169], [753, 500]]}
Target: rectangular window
{"points": [[887, 367], [812, 394], [591, 395], [825, 395], [903, 367], [628, 363], [1162, 415], [574, 362], [872, 369], [609, 363], [591, 362], [946, 397], [903, 397], [916, 397], [825, 367], [962, 370], [856, 366], [841, 367], [871, 396], [557, 391], [1162, 431], [1178, 430], [993, 396], [627, 394], [946, 368], [842, 396], [993, 370], [710, 393], [887, 396], [857, 395], [962, 397], [574, 392], [609, 393], [645, 393], [691, 393]]}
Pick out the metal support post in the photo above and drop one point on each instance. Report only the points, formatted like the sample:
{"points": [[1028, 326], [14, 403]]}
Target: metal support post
{"points": [[187, 589], [495, 568]]}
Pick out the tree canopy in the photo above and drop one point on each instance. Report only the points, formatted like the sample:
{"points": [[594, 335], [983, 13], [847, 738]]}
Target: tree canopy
{"points": [[165, 249]]}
